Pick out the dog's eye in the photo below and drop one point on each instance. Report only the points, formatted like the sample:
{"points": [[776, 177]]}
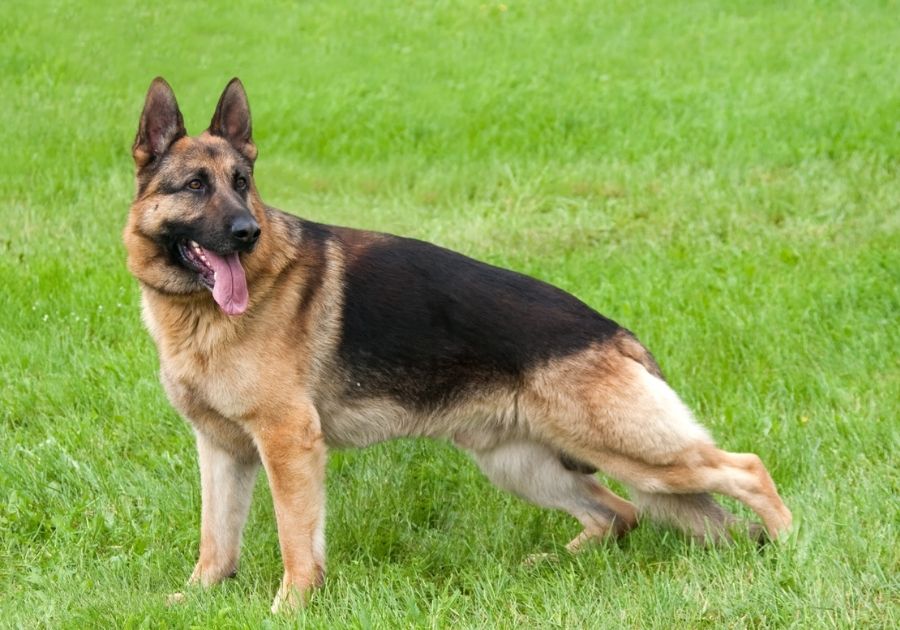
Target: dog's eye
{"points": [[195, 184], [240, 183]]}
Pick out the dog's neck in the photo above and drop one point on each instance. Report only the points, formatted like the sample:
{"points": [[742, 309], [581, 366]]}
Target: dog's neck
{"points": [[178, 319]]}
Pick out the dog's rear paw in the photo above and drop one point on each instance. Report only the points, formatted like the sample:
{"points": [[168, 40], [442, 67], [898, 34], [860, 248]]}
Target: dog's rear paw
{"points": [[763, 536]]}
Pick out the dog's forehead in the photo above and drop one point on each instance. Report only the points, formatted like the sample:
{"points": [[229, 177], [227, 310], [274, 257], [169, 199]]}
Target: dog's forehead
{"points": [[205, 151]]}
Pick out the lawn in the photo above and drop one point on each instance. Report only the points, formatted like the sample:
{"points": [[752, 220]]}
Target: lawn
{"points": [[719, 177]]}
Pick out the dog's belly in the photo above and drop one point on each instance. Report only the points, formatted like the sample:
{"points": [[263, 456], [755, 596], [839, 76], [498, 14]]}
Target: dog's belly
{"points": [[473, 423], [363, 422]]}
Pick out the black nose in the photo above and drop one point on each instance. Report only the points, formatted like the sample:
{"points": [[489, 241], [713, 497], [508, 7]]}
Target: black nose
{"points": [[245, 230]]}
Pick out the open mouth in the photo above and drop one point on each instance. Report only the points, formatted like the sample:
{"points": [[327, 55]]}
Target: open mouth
{"points": [[194, 258], [220, 273]]}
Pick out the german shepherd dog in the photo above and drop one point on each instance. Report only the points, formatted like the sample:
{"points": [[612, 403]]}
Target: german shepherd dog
{"points": [[279, 337]]}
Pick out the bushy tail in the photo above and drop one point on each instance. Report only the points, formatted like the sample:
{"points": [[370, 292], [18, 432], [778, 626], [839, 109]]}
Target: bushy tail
{"points": [[698, 515]]}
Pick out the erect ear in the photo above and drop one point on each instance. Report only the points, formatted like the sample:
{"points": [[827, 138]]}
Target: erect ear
{"points": [[161, 124], [232, 119]]}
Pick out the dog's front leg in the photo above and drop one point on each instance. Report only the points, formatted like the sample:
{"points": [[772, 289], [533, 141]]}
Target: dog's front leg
{"points": [[292, 449], [227, 477]]}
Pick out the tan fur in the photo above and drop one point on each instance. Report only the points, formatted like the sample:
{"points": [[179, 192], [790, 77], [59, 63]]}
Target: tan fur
{"points": [[267, 388], [293, 452], [607, 409], [240, 383], [227, 487]]}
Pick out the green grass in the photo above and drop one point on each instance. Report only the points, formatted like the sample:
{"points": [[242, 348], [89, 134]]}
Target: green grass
{"points": [[720, 177]]}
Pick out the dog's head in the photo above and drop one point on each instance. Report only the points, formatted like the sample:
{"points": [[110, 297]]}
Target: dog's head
{"points": [[196, 214]]}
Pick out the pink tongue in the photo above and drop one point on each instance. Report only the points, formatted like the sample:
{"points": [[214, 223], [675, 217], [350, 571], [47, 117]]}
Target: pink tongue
{"points": [[230, 287]]}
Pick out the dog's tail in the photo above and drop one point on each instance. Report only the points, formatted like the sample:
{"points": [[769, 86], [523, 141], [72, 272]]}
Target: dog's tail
{"points": [[698, 515]]}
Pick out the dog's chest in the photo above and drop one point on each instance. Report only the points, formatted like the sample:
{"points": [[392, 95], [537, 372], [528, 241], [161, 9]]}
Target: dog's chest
{"points": [[223, 383], [207, 369]]}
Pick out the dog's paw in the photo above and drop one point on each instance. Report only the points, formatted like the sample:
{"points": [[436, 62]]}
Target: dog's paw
{"points": [[207, 574], [288, 600], [295, 593], [173, 599]]}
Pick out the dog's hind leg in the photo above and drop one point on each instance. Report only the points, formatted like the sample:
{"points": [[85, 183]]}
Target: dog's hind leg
{"points": [[535, 473], [631, 425], [227, 478], [700, 469]]}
